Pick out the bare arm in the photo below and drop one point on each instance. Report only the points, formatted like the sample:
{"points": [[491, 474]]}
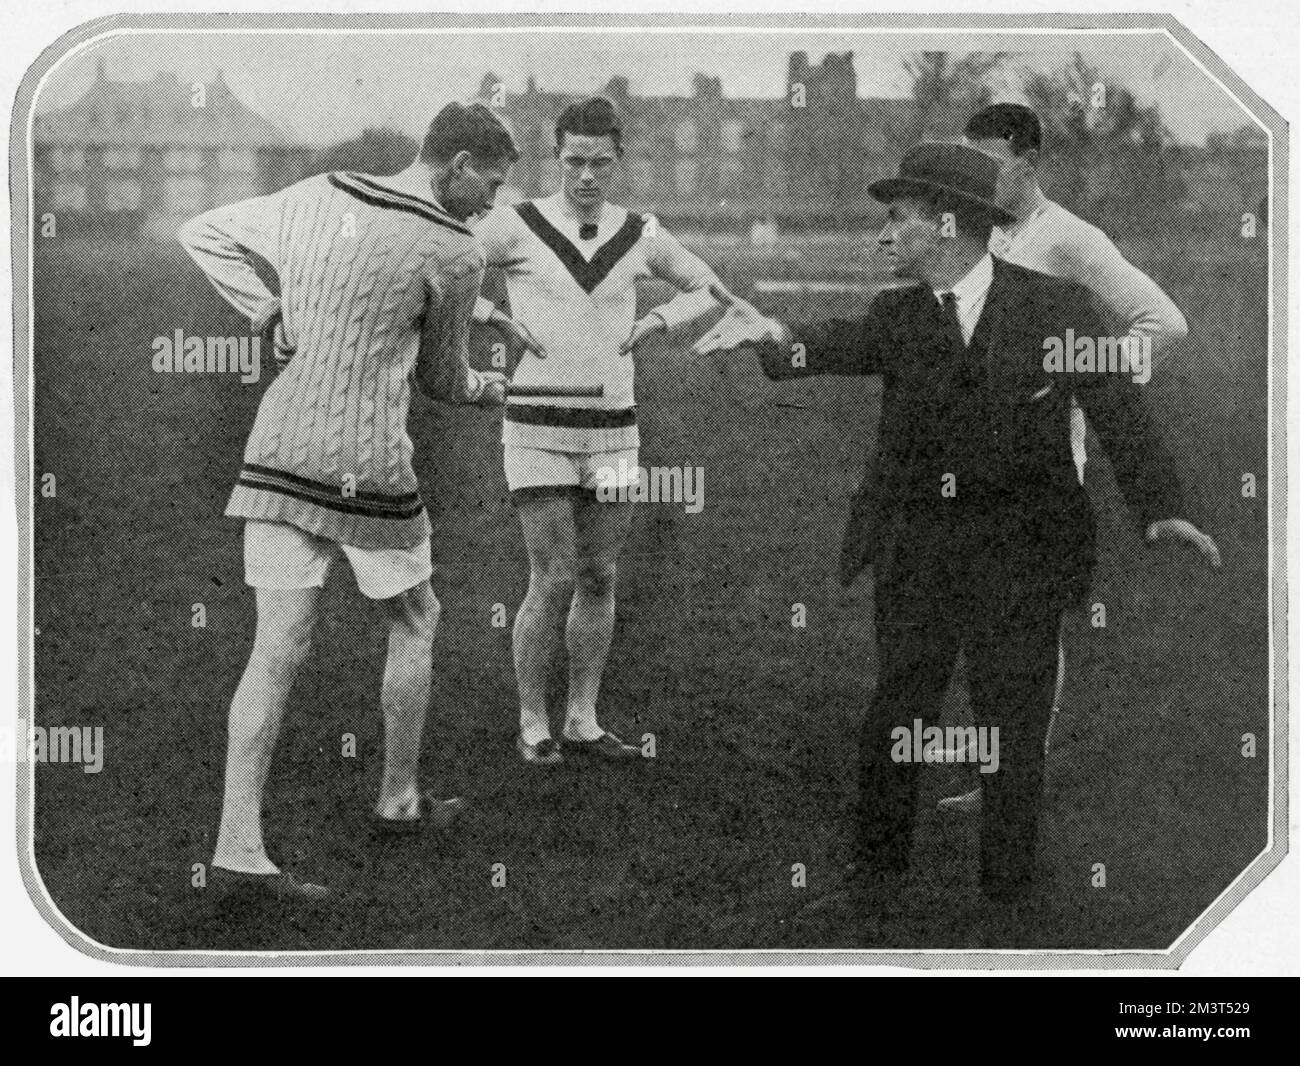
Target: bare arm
{"points": [[669, 261]]}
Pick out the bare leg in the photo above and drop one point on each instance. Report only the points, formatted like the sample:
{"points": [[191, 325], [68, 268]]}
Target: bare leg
{"points": [[285, 619], [408, 676], [602, 530], [548, 527]]}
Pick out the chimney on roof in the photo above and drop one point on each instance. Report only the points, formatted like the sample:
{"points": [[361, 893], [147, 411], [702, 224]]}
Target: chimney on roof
{"points": [[707, 87]]}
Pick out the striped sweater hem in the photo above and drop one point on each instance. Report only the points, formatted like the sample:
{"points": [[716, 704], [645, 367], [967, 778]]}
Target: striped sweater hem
{"points": [[363, 519]]}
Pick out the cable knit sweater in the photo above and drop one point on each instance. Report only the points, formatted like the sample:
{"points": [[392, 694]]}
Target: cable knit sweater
{"points": [[377, 288]]}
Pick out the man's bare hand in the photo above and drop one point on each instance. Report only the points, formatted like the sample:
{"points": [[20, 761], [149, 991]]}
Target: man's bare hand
{"points": [[742, 324], [494, 388], [654, 322], [271, 331], [1182, 530], [521, 333]]}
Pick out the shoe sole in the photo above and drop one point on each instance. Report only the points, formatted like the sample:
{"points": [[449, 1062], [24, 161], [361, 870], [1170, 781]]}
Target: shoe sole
{"points": [[232, 886], [536, 760], [442, 815]]}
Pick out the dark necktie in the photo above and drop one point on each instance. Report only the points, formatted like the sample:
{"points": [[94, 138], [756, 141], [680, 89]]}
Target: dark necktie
{"points": [[587, 231], [952, 321]]}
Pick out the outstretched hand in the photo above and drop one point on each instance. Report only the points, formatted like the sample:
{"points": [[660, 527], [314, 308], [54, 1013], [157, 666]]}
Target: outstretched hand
{"points": [[1182, 530], [741, 324], [519, 332]]}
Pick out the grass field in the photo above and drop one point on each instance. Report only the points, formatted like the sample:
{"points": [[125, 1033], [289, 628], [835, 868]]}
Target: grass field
{"points": [[755, 721]]}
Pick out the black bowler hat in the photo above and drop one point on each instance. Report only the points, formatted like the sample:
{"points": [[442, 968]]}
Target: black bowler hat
{"points": [[965, 174]]}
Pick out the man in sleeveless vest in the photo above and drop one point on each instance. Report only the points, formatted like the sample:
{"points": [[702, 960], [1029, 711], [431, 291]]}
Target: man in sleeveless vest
{"points": [[572, 262]]}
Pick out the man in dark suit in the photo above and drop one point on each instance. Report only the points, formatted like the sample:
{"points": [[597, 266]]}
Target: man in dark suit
{"points": [[979, 530]]}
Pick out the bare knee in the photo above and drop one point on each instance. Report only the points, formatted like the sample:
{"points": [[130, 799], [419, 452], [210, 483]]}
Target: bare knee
{"points": [[281, 651], [414, 614], [553, 578], [596, 577]]}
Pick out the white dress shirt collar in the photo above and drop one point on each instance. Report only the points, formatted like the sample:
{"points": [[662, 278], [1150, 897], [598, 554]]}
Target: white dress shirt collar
{"points": [[971, 292]]}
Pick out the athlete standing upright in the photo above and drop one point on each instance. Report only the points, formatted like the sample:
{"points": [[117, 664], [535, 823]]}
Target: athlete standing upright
{"points": [[572, 262]]}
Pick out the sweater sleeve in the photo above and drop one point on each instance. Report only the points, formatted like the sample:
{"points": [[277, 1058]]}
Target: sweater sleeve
{"points": [[442, 368], [670, 262], [221, 242], [497, 236], [1144, 469], [1138, 305]]}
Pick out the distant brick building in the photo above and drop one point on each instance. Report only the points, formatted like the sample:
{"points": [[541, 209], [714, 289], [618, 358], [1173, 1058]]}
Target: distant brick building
{"points": [[715, 160], [144, 155]]}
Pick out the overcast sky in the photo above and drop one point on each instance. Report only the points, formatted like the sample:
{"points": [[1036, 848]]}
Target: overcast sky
{"points": [[323, 88]]}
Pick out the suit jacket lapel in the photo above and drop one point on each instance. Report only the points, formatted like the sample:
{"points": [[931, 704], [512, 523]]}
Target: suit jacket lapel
{"points": [[988, 330]]}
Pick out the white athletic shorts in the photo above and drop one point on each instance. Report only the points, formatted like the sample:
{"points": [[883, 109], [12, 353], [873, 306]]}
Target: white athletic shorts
{"points": [[534, 472], [280, 556]]}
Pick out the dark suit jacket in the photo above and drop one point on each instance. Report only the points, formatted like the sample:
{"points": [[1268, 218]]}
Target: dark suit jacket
{"points": [[1017, 450]]}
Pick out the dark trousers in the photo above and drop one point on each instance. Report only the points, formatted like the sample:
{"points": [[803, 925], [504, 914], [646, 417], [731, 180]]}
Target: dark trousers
{"points": [[927, 611]]}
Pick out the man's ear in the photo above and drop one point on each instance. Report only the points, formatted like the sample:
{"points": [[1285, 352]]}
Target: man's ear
{"points": [[459, 162]]}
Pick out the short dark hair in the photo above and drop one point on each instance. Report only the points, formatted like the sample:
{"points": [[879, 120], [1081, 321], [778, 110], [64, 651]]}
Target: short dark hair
{"points": [[1012, 122], [597, 117], [469, 128]]}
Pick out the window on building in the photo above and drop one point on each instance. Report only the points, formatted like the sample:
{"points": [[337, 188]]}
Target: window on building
{"points": [[186, 196], [686, 175], [232, 189], [686, 135], [121, 158], [68, 196], [733, 137], [237, 160], [123, 196], [183, 160], [64, 159]]}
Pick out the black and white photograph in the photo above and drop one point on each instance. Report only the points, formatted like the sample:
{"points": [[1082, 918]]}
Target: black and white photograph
{"points": [[735, 489]]}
